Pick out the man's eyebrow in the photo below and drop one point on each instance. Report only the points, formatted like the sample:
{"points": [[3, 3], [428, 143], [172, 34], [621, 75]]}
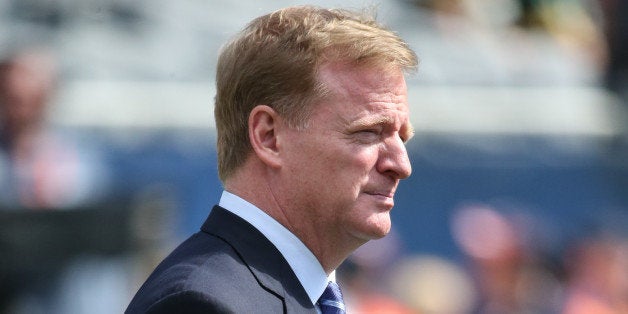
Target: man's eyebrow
{"points": [[371, 121], [407, 133]]}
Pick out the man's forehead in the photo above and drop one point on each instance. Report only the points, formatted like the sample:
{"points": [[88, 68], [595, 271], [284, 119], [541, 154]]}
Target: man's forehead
{"points": [[373, 117], [351, 75], [366, 85], [365, 95]]}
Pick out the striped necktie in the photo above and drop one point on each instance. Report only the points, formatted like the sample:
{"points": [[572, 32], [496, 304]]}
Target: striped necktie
{"points": [[331, 300]]}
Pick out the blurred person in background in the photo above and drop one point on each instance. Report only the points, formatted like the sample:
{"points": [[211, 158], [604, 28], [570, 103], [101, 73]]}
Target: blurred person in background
{"points": [[510, 274], [40, 167], [312, 119], [597, 276], [364, 278], [616, 30], [432, 284]]}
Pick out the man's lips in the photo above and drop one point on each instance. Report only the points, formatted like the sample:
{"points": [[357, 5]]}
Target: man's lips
{"points": [[383, 198], [387, 194]]}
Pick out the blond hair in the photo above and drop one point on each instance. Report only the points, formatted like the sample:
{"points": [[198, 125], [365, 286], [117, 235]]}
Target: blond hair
{"points": [[274, 62]]}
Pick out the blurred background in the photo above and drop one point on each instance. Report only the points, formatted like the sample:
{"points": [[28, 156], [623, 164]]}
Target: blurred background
{"points": [[518, 201]]}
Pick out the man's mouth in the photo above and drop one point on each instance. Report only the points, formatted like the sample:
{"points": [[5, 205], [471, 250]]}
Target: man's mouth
{"points": [[383, 197], [387, 194]]}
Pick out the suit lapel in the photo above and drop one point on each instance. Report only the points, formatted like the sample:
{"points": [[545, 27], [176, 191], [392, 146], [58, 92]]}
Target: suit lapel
{"points": [[262, 258]]}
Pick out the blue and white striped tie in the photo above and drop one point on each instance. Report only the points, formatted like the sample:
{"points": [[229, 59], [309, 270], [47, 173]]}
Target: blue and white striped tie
{"points": [[331, 300]]}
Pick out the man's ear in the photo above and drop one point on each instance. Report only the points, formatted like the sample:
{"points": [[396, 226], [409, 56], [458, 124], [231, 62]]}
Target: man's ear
{"points": [[263, 124]]}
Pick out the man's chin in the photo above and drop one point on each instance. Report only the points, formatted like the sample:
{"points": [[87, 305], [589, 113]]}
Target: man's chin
{"points": [[380, 234], [378, 228]]}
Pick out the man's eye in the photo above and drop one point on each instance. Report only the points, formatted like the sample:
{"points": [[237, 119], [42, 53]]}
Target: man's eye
{"points": [[371, 131], [368, 135]]}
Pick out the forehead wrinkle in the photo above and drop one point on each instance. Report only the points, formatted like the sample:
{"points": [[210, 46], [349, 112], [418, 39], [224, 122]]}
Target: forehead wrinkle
{"points": [[385, 95]]}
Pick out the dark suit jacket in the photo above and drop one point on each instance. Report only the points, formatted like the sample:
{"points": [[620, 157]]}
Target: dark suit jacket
{"points": [[227, 267]]}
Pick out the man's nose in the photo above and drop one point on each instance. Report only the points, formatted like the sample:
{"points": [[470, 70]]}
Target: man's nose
{"points": [[394, 160]]}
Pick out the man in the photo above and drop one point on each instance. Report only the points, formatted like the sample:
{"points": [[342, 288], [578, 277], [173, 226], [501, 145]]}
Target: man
{"points": [[312, 116]]}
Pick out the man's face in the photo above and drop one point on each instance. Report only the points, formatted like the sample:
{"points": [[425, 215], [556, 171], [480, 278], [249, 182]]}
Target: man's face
{"points": [[344, 167]]}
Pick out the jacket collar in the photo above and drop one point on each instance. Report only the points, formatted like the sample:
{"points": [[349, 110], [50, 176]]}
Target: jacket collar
{"points": [[262, 258]]}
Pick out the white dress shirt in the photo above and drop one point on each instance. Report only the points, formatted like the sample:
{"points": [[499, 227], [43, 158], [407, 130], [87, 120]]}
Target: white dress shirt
{"points": [[302, 261]]}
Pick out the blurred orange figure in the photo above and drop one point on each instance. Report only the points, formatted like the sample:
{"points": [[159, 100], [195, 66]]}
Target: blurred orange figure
{"points": [[380, 304]]}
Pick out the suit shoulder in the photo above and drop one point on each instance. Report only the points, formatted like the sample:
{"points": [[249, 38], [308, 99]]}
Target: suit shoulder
{"points": [[204, 272], [188, 302], [202, 259]]}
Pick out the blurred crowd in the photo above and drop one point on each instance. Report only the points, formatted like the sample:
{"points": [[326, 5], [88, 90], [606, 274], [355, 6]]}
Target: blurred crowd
{"points": [[509, 260], [507, 267]]}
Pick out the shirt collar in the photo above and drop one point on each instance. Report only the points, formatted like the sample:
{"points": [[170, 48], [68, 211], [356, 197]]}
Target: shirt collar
{"points": [[302, 261]]}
